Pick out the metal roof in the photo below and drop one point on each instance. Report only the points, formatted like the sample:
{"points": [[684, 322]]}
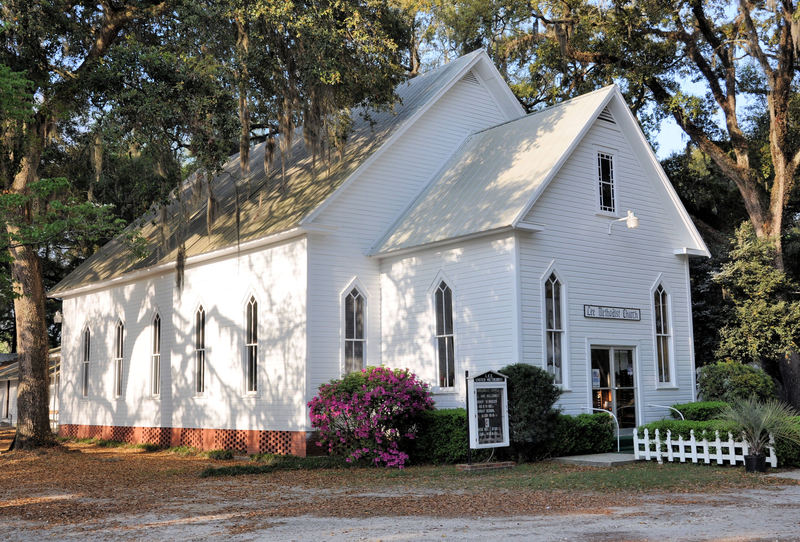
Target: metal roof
{"points": [[9, 366], [267, 205], [492, 178]]}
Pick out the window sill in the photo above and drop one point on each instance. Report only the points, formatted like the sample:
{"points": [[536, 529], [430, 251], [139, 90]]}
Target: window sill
{"points": [[607, 214], [667, 387], [443, 391]]}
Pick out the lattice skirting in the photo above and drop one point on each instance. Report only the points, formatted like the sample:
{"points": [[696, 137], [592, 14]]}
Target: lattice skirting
{"points": [[245, 441]]}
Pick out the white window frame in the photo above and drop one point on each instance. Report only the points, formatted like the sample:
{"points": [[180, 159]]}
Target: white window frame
{"points": [[545, 277], [200, 384], [600, 151], [670, 336], [155, 356], [119, 358], [251, 387], [86, 343], [354, 284], [442, 278]]}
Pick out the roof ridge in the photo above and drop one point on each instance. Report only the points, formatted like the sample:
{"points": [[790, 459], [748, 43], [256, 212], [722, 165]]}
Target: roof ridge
{"points": [[545, 110]]}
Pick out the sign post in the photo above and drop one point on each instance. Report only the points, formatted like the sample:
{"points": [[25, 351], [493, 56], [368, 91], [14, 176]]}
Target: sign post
{"points": [[487, 411]]}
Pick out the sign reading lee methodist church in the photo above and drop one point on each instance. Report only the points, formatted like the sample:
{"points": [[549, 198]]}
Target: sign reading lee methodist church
{"points": [[488, 406], [611, 313]]}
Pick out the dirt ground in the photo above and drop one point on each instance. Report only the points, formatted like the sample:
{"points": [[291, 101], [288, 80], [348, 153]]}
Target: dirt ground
{"points": [[82, 491]]}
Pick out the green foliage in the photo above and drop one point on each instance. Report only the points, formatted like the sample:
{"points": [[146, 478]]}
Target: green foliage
{"points": [[15, 96], [183, 450], [582, 434], [531, 416], [267, 463], [442, 438], [728, 381], [683, 428], [766, 308], [700, 411], [788, 452], [759, 420], [219, 454]]}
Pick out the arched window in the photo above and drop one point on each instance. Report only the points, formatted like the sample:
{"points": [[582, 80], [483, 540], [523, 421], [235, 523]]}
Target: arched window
{"points": [[445, 347], [85, 372], [200, 351], [155, 366], [251, 347], [354, 342], [118, 352], [661, 317], [554, 327]]}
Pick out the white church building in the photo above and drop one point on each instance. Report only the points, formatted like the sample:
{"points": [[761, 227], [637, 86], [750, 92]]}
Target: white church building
{"points": [[454, 233]]}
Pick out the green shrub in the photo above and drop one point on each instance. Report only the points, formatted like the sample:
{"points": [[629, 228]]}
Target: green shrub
{"points": [[700, 411], [788, 452], [531, 416], [582, 434], [219, 454], [147, 447], [728, 381], [682, 428], [442, 438]]}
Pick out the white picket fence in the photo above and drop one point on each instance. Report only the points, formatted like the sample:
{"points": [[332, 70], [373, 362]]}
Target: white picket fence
{"points": [[718, 451]]}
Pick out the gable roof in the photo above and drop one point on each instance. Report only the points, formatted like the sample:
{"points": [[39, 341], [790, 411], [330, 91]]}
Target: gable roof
{"points": [[498, 174], [494, 174], [266, 205]]}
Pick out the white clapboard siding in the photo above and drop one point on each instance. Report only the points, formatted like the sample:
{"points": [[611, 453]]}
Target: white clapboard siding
{"points": [[276, 276], [8, 397], [367, 208], [720, 450], [481, 277], [609, 270]]}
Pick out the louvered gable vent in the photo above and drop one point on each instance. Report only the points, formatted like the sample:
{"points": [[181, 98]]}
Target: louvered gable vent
{"points": [[606, 116], [470, 78]]}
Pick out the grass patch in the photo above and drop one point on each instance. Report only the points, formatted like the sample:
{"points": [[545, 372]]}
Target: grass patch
{"points": [[183, 450], [103, 443], [266, 463], [219, 454]]}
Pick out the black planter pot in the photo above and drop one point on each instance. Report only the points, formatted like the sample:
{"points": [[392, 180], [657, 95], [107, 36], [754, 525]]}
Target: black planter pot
{"points": [[755, 463]]}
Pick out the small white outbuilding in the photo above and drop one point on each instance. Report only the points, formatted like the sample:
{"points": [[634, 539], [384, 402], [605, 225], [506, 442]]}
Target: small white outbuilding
{"points": [[453, 233]]}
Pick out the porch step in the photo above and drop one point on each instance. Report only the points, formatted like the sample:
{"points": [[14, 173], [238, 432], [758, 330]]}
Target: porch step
{"points": [[611, 459]]}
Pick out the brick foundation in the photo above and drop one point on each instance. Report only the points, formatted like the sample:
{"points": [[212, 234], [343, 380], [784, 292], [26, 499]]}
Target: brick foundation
{"points": [[244, 441]]}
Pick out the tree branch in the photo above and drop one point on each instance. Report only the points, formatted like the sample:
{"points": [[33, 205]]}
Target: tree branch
{"points": [[753, 40]]}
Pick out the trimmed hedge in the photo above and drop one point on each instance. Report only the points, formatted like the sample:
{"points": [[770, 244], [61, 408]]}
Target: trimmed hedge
{"points": [[682, 428], [442, 438], [787, 452], [582, 434], [700, 411]]}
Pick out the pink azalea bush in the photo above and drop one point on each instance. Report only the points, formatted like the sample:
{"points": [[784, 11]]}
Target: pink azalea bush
{"points": [[368, 415]]}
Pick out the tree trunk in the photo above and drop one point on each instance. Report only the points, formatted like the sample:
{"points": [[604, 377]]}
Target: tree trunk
{"points": [[33, 421]]}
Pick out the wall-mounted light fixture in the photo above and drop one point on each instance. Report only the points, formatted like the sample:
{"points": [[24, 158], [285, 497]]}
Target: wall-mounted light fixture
{"points": [[630, 220], [57, 318]]}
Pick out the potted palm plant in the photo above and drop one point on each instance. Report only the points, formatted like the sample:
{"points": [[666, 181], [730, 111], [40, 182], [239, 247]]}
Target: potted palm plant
{"points": [[758, 421]]}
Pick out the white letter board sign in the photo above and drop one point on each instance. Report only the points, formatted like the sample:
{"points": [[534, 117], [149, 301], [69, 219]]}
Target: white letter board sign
{"points": [[488, 407]]}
